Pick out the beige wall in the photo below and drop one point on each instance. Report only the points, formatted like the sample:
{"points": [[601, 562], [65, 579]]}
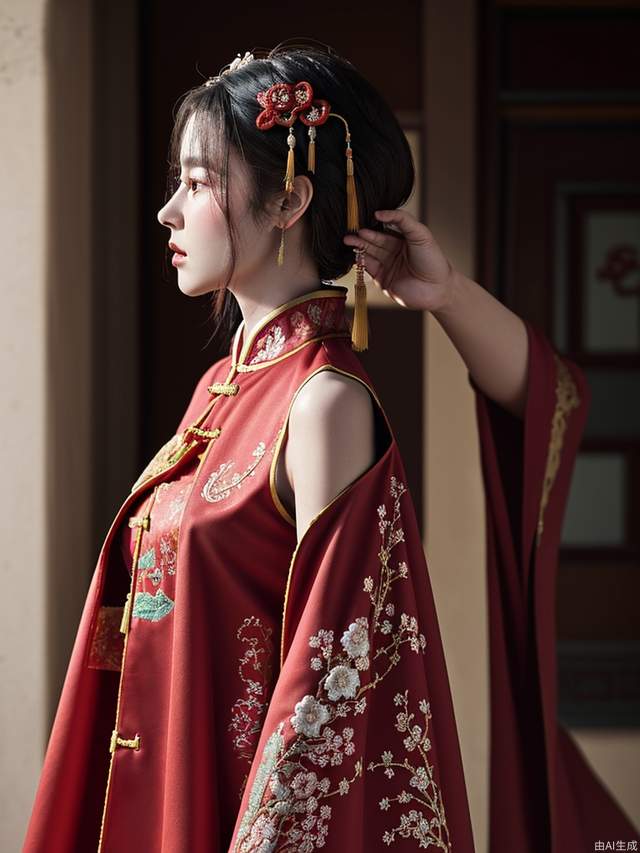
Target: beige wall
{"points": [[454, 508], [44, 376], [22, 390]]}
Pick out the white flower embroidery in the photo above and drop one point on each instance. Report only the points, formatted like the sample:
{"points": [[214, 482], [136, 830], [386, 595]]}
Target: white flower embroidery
{"points": [[342, 682], [310, 715], [291, 767], [428, 827], [355, 639], [314, 313], [271, 345]]}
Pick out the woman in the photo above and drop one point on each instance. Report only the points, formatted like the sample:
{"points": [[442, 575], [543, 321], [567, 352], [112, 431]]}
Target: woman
{"points": [[258, 665]]}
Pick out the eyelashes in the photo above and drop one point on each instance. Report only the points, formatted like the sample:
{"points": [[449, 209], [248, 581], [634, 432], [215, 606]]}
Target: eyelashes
{"points": [[176, 182]]}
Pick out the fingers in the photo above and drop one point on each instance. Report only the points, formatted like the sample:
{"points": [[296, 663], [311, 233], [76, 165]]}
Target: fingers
{"points": [[384, 242], [413, 230]]}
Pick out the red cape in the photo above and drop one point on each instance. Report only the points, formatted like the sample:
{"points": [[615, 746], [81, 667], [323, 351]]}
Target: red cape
{"points": [[544, 797], [381, 761], [341, 733]]}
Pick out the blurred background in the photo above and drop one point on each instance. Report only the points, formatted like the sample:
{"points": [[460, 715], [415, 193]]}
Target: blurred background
{"points": [[524, 120]]}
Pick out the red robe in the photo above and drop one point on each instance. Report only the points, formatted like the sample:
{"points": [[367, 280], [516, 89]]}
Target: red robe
{"points": [[544, 797], [255, 693]]}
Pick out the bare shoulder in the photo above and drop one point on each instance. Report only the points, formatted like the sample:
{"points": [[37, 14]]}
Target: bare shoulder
{"points": [[331, 440], [330, 395]]}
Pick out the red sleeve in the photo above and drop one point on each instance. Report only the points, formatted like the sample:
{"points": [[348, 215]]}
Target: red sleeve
{"points": [[544, 795]]}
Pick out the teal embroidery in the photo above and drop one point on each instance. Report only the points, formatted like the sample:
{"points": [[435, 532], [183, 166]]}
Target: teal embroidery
{"points": [[152, 607], [146, 562], [147, 559], [272, 749]]}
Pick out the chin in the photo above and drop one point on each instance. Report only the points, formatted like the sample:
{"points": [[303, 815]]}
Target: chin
{"points": [[190, 288]]}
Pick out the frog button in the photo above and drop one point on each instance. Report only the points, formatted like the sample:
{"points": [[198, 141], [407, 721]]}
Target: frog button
{"points": [[228, 389]]}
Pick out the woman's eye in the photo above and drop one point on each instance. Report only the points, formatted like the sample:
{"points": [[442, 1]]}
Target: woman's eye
{"points": [[190, 183]]}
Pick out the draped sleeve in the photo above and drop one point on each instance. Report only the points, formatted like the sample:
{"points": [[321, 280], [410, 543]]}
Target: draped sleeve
{"points": [[543, 794], [359, 749]]}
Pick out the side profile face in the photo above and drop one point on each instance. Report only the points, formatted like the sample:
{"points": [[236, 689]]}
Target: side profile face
{"points": [[198, 227], [197, 223]]}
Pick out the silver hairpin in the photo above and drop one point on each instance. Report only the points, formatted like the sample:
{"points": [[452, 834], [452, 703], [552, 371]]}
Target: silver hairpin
{"points": [[238, 62]]}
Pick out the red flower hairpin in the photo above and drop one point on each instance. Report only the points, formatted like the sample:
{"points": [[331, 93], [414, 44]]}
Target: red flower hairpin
{"points": [[282, 104]]}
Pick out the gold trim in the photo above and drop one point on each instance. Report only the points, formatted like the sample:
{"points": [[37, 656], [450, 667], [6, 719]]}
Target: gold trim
{"points": [[334, 292], [333, 500], [567, 398], [116, 740], [133, 574], [124, 624], [251, 368], [225, 388]]}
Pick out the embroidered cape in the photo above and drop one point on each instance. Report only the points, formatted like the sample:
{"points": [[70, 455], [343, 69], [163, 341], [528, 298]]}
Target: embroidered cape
{"points": [[233, 689]]}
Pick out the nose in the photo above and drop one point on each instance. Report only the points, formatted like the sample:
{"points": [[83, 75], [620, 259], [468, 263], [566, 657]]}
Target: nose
{"points": [[162, 215], [169, 214]]}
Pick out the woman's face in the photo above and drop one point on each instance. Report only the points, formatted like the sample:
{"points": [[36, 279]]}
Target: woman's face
{"points": [[198, 227]]}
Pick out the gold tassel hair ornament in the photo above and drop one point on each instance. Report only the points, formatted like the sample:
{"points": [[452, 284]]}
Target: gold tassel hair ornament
{"points": [[282, 104]]}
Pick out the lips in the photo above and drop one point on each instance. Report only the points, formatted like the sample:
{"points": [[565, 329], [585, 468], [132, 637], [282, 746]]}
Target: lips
{"points": [[175, 248]]}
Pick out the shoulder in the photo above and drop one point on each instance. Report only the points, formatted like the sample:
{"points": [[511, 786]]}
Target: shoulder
{"points": [[331, 440], [330, 396]]}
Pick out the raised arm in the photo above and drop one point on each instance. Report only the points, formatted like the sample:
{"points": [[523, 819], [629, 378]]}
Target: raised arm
{"points": [[491, 339], [409, 267]]}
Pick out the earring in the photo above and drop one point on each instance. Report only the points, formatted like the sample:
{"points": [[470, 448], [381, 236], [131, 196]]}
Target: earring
{"points": [[281, 249]]}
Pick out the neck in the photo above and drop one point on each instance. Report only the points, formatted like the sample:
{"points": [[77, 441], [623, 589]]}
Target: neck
{"points": [[271, 286]]}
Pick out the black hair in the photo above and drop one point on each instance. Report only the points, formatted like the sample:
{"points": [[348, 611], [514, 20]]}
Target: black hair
{"points": [[224, 114]]}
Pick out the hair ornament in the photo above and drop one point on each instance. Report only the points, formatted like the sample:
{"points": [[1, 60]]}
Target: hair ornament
{"points": [[238, 62], [282, 104]]}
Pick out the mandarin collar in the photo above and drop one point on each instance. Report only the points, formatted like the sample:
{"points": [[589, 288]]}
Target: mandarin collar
{"points": [[312, 316]]}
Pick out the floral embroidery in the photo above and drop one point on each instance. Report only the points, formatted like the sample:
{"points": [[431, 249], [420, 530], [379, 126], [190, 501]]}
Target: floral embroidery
{"points": [[428, 831], [289, 797], [270, 345], [157, 605], [315, 313], [168, 545], [176, 503], [217, 489], [299, 323], [255, 670], [300, 327]]}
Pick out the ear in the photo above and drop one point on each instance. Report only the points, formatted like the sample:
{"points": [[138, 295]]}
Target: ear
{"points": [[286, 208]]}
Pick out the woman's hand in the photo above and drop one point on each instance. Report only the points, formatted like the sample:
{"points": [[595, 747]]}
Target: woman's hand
{"points": [[407, 264]]}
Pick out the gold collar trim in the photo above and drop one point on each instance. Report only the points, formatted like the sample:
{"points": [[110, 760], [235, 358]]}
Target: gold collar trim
{"points": [[312, 316]]}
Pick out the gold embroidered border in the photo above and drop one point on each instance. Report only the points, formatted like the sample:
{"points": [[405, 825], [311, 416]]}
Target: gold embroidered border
{"points": [[567, 398]]}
